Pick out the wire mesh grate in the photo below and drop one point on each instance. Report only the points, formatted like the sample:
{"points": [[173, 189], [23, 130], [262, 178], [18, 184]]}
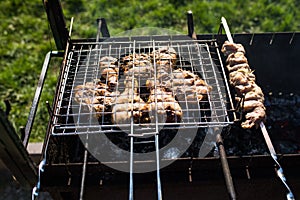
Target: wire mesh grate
{"points": [[141, 86]]}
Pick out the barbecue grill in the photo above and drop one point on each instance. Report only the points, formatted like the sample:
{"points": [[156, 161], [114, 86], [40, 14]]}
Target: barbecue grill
{"points": [[87, 152], [82, 66]]}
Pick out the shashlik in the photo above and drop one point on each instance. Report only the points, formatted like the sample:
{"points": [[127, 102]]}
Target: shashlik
{"points": [[241, 77]]}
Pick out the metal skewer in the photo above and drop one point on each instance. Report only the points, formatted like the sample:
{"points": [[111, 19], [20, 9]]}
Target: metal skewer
{"points": [[159, 192], [131, 170], [268, 141]]}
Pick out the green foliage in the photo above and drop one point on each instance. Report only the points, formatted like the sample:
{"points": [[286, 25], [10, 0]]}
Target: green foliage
{"points": [[25, 36]]}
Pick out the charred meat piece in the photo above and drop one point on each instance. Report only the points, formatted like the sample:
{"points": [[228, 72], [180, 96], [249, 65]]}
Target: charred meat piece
{"points": [[250, 105], [144, 71], [254, 94], [241, 77], [163, 105], [109, 71], [95, 96], [129, 106], [135, 59], [164, 59], [110, 77], [164, 67], [138, 110], [164, 55], [188, 86], [238, 66]]}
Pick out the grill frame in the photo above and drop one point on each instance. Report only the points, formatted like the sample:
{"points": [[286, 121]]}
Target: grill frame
{"points": [[224, 103]]}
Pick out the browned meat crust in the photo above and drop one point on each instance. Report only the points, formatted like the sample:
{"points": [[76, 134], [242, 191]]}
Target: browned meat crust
{"points": [[243, 80], [95, 97], [163, 105]]}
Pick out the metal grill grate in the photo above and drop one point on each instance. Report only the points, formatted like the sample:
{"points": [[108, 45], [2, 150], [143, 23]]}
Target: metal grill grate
{"points": [[82, 76]]}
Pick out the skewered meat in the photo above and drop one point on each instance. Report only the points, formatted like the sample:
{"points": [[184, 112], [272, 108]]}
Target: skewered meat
{"points": [[243, 89], [163, 105], [249, 105], [229, 48], [95, 96], [241, 77], [237, 67], [243, 80], [257, 115], [236, 58], [254, 94], [129, 105]]}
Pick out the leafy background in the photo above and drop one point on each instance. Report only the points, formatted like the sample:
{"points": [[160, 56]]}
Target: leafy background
{"points": [[25, 36]]}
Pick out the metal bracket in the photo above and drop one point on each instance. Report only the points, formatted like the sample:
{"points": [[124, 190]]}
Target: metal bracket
{"points": [[102, 28], [38, 93], [190, 24], [57, 23]]}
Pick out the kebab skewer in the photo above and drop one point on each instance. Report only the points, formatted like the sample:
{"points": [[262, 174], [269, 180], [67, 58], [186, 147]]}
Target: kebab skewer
{"points": [[241, 77]]}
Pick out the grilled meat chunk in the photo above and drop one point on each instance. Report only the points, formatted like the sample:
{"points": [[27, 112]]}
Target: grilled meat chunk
{"points": [[109, 72], [229, 48], [243, 80], [135, 59], [144, 72], [96, 97], [108, 62], [164, 55], [258, 114], [163, 105], [236, 58], [188, 86], [129, 105], [237, 67], [110, 77], [142, 99]]}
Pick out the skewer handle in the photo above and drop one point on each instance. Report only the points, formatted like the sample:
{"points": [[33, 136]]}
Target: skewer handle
{"points": [[226, 28]]}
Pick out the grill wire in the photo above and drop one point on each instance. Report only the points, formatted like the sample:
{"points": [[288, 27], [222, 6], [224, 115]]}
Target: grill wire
{"points": [[200, 57]]}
